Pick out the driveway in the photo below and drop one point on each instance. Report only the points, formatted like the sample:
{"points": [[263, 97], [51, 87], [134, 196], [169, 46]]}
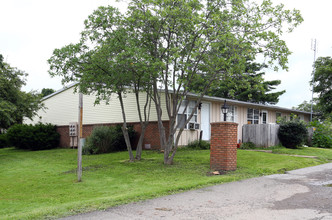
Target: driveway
{"points": [[298, 194]]}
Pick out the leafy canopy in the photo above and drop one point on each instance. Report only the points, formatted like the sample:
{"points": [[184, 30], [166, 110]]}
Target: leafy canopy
{"points": [[14, 103], [322, 83], [171, 45], [249, 86], [47, 91]]}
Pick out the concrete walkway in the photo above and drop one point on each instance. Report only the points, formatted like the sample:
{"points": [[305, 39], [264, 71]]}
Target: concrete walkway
{"points": [[298, 194]]}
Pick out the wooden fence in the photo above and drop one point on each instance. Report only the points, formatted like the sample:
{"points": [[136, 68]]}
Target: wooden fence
{"points": [[262, 135]]}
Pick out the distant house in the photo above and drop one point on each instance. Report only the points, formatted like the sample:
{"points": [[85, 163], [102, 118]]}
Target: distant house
{"points": [[62, 109]]}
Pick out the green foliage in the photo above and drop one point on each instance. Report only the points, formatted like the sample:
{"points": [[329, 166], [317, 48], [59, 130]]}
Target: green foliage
{"points": [[316, 109], [171, 44], [107, 139], [253, 87], [199, 145], [248, 145], [47, 91], [322, 136], [322, 83], [14, 103], [4, 141], [33, 137], [292, 134]]}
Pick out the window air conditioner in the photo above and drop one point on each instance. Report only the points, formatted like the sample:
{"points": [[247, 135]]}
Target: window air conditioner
{"points": [[193, 126]]}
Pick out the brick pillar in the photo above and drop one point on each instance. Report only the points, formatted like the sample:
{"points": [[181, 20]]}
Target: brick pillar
{"points": [[223, 146]]}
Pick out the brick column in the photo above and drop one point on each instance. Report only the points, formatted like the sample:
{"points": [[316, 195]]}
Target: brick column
{"points": [[223, 146]]}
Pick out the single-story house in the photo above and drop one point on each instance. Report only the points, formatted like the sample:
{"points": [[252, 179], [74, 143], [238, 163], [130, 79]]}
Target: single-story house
{"points": [[62, 109]]}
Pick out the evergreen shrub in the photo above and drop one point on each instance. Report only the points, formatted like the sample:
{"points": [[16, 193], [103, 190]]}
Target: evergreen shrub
{"points": [[292, 134], [3, 141], [33, 137], [107, 139]]}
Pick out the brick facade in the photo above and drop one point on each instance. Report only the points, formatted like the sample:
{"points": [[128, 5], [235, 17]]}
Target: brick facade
{"points": [[223, 146], [151, 137]]}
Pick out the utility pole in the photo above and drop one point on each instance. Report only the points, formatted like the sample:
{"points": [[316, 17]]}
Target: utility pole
{"points": [[314, 48], [80, 136]]}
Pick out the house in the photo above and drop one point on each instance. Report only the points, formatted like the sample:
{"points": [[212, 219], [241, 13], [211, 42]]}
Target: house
{"points": [[62, 109]]}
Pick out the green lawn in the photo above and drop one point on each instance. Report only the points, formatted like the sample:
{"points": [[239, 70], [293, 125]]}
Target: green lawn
{"points": [[322, 154], [42, 184]]}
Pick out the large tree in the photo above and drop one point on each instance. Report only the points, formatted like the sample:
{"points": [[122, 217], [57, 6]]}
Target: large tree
{"points": [[108, 61], [192, 41], [306, 106], [46, 92], [14, 103], [322, 84], [171, 45], [249, 86]]}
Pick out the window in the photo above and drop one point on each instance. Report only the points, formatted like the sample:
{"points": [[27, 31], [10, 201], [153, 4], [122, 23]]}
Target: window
{"points": [[264, 117], [231, 115], [182, 116], [252, 116]]}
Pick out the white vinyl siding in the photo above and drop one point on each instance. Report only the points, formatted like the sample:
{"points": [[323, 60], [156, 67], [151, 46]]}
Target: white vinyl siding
{"points": [[62, 108]]}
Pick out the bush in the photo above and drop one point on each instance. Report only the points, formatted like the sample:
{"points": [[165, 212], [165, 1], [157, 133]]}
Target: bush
{"points": [[248, 145], [199, 145], [292, 134], [33, 137], [107, 139], [4, 141], [322, 136]]}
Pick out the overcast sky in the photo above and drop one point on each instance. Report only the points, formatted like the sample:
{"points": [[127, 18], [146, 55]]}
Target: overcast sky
{"points": [[31, 29]]}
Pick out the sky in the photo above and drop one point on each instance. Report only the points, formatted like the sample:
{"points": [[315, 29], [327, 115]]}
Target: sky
{"points": [[31, 29]]}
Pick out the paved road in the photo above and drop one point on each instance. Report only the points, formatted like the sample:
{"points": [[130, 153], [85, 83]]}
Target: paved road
{"points": [[298, 194]]}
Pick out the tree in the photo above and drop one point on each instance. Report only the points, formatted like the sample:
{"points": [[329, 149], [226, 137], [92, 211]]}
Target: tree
{"points": [[171, 45], [107, 61], [14, 103], [47, 91], [322, 84], [248, 86], [191, 41], [306, 106]]}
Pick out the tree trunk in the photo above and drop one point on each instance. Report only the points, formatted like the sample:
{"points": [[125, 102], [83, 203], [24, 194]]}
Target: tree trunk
{"points": [[144, 124], [140, 143], [125, 129]]}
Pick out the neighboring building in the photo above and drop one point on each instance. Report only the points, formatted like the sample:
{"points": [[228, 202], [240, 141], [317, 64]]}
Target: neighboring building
{"points": [[62, 109]]}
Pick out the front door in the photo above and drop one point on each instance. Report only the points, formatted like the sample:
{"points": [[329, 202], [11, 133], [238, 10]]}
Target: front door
{"points": [[205, 121]]}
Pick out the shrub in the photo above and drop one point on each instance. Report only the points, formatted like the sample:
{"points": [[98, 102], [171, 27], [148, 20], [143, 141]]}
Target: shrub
{"points": [[247, 145], [107, 139], [3, 141], [322, 136], [199, 145], [292, 134], [33, 137]]}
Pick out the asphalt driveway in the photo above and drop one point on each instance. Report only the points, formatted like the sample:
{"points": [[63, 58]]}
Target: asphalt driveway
{"points": [[298, 194]]}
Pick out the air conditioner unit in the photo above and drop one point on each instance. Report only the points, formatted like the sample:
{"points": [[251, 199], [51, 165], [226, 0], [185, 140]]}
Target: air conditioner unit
{"points": [[193, 126]]}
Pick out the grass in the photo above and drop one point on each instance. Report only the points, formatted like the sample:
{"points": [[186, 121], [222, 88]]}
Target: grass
{"points": [[42, 184], [325, 155]]}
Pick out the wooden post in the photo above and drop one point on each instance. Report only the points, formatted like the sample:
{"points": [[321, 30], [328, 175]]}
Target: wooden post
{"points": [[80, 135]]}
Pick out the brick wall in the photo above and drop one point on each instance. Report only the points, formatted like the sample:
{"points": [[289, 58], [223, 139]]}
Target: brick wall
{"points": [[223, 146], [151, 136]]}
